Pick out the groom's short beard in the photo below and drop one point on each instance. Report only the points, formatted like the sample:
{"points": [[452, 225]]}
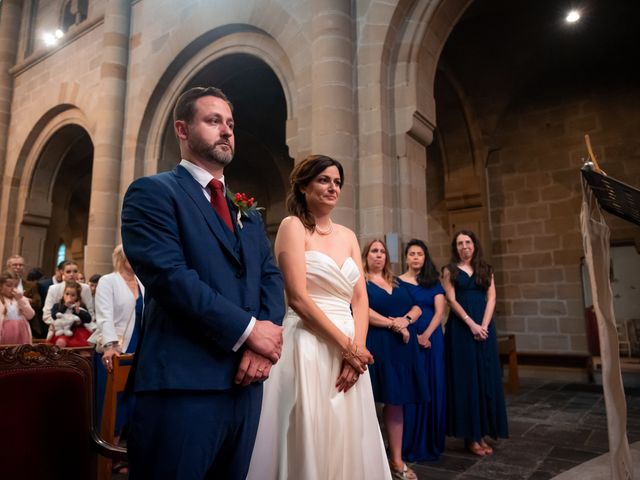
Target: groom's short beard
{"points": [[211, 152]]}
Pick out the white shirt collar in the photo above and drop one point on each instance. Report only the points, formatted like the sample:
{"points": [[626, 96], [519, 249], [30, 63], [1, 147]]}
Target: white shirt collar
{"points": [[200, 174]]}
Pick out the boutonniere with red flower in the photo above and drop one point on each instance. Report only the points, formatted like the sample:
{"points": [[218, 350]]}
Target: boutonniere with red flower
{"points": [[246, 206]]}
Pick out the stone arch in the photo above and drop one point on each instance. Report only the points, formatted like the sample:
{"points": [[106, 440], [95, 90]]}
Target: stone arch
{"points": [[61, 133], [250, 47]]}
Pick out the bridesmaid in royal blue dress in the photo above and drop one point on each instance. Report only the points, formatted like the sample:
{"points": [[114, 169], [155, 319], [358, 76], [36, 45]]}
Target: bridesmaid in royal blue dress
{"points": [[397, 376], [425, 423], [475, 395]]}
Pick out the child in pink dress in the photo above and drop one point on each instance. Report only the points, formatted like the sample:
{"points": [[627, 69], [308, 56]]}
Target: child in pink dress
{"points": [[15, 312]]}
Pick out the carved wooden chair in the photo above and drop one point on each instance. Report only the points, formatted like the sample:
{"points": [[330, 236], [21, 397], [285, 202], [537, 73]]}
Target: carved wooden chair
{"points": [[46, 420], [116, 383]]}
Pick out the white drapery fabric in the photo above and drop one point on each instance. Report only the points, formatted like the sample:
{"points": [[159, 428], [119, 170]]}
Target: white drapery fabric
{"points": [[595, 238]]}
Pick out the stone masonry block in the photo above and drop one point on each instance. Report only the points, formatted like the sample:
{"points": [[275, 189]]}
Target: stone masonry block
{"points": [[539, 291], [550, 275], [542, 325], [536, 260], [552, 307], [525, 307], [558, 343]]}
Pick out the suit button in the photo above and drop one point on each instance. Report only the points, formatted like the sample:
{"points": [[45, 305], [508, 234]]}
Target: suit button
{"points": [[248, 309], [238, 274]]}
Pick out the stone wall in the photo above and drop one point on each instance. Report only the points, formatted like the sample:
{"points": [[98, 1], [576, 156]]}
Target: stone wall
{"points": [[535, 196]]}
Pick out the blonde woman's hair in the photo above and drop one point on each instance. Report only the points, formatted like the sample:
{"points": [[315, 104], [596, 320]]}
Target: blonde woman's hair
{"points": [[387, 274], [118, 257]]}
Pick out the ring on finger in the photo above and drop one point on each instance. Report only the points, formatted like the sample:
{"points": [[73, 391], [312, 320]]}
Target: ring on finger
{"points": [[260, 370]]}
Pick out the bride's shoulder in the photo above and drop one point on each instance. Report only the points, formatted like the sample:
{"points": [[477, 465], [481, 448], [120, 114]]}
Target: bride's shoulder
{"points": [[291, 222], [346, 231]]}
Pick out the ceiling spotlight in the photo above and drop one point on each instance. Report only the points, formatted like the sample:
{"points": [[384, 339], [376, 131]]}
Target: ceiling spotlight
{"points": [[58, 33], [573, 16], [49, 39]]}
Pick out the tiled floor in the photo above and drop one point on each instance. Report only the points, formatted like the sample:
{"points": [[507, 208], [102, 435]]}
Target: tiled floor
{"points": [[554, 426]]}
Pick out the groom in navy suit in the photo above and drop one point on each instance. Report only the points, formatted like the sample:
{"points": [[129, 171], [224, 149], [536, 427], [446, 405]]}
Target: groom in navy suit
{"points": [[214, 304]]}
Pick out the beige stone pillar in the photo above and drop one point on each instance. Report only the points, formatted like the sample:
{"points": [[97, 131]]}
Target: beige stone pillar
{"points": [[332, 117], [105, 205], [10, 13]]}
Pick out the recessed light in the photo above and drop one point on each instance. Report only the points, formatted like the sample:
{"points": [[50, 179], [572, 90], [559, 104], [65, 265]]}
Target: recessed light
{"points": [[573, 16]]}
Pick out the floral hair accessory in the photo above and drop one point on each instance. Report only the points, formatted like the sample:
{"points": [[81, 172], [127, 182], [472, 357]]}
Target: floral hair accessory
{"points": [[246, 206]]}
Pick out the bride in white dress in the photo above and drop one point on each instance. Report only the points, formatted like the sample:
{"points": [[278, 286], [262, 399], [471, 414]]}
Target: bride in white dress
{"points": [[318, 416]]}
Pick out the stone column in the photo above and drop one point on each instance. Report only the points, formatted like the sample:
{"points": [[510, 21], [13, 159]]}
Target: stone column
{"points": [[10, 13], [105, 182], [332, 117]]}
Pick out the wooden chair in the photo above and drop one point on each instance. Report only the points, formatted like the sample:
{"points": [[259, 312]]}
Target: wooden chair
{"points": [[116, 382], [47, 425]]}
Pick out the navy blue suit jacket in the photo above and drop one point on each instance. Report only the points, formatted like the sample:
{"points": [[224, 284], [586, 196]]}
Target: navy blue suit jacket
{"points": [[202, 284]]}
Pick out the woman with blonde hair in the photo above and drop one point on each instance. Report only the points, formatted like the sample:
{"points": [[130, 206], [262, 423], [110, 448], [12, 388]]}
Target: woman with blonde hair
{"points": [[398, 377], [119, 304]]}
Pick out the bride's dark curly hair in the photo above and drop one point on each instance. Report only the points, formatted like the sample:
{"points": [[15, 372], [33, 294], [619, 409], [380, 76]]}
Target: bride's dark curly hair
{"points": [[303, 173]]}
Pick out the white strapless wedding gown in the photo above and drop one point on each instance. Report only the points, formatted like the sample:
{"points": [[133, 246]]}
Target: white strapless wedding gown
{"points": [[308, 430]]}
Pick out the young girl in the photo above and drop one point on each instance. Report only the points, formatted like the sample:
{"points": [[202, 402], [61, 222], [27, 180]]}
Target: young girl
{"points": [[71, 303], [15, 312]]}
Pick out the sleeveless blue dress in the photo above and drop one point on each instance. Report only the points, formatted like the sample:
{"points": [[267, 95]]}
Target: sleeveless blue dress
{"points": [[425, 423], [475, 395], [397, 376]]}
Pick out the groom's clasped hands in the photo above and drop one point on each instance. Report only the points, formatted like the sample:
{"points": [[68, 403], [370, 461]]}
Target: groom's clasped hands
{"points": [[264, 347]]}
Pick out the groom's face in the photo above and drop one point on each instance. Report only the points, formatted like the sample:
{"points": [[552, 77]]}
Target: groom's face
{"points": [[209, 135]]}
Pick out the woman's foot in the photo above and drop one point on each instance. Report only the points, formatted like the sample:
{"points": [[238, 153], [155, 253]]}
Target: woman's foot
{"points": [[402, 472], [476, 449], [487, 448]]}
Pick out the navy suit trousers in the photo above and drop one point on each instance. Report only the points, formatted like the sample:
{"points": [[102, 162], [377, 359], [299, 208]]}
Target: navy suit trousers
{"points": [[194, 435]]}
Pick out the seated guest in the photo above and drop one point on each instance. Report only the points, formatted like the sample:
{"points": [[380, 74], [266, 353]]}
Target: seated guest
{"points": [[70, 272], [45, 283], [68, 317], [15, 264], [15, 312], [93, 283], [425, 423]]}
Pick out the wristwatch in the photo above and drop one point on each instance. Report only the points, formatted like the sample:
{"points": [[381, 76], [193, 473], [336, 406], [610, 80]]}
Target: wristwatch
{"points": [[110, 344]]}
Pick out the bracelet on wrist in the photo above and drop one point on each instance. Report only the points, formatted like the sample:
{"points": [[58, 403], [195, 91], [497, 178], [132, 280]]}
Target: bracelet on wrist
{"points": [[113, 344]]}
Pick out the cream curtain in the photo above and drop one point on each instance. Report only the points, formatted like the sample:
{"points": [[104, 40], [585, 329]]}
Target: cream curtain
{"points": [[595, 237]]}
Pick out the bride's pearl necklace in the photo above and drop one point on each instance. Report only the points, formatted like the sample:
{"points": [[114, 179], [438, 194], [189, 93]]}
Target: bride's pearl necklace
{"points": [[326, 231]]}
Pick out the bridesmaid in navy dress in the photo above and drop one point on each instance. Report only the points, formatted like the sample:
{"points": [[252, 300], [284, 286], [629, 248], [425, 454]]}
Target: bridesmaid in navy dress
{"points": [[475, 396], [425, 423], [397, 377]]}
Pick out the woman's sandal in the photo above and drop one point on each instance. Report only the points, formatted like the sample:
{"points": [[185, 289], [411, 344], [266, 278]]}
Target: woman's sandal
{"points": [[477, 449], [486, 447], [405, 473]]}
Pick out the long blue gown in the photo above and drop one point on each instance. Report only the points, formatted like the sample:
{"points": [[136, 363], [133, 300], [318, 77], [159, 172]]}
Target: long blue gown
{"points": [[475, 395], [425, 423], [397, 377]]}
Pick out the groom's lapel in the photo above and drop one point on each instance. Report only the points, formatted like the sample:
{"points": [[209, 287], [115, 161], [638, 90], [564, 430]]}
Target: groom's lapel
{"points": [[194, 192]]}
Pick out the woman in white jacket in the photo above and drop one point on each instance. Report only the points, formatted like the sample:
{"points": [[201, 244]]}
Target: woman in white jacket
{"points": [[118, 303]]}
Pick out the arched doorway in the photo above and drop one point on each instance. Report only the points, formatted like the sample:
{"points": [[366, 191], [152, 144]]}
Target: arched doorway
{"points": [[262, 164], [57, 205]]}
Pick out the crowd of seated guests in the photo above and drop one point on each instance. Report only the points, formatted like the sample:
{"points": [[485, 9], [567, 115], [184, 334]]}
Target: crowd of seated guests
{"points": [[40, 301]]}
